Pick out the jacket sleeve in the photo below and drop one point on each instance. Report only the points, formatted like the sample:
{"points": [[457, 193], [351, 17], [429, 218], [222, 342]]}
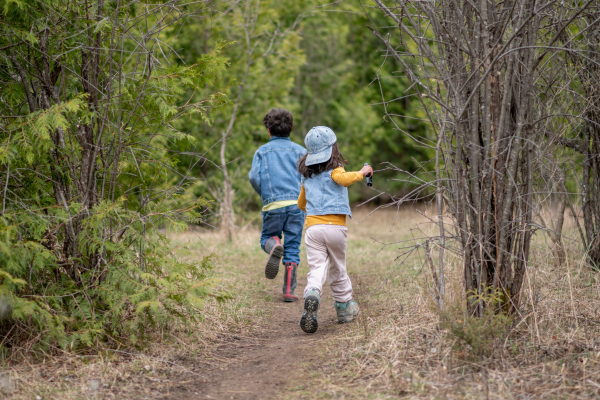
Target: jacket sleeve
{"points": [[302, 199], [343, 178], [254, 174]]}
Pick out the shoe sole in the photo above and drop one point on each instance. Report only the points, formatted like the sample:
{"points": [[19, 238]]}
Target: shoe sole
{"points": [[308, 322], [272, 268], [290, 299]]}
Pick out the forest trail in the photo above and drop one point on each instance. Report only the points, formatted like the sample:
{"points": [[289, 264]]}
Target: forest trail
{"points": [[259, 366], [261, 352], [249, 346]]}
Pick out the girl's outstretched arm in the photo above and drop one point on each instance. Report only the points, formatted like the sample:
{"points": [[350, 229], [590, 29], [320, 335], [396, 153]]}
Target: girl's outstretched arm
{"points": [[343, 178]]}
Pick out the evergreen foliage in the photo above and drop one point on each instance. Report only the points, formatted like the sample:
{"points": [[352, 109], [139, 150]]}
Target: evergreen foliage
{"points": [[90, 97], [321, 64]]}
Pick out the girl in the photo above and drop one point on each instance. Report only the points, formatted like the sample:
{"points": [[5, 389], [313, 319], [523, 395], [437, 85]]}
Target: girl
{"points": [[324, 198]]}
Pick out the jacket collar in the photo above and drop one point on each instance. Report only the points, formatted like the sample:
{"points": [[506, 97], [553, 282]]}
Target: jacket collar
{"points": [[278, 137]]}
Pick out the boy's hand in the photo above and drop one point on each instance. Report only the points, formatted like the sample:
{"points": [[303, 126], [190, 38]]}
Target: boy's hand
{"points": [[366, 170]]}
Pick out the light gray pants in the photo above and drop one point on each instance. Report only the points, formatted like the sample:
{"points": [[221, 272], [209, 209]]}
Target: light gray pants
{"points": [[325, 242]]}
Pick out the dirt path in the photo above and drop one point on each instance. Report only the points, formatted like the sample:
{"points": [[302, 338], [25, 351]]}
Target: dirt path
{"points": [[259, 367]]}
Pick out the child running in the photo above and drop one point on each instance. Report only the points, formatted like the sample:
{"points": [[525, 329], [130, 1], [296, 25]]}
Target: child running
{"points": [[274, 176], [324, 198]]}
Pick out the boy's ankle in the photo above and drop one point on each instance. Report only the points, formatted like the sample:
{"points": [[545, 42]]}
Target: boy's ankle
{"points": [[289, 282]]}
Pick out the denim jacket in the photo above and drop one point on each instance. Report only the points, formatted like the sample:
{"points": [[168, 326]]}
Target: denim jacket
{"points": [[324, 196], [274, 174]]}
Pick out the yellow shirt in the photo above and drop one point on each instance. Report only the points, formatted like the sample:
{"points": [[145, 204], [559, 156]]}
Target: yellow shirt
{"points": [[279, 204], [341, 177]]}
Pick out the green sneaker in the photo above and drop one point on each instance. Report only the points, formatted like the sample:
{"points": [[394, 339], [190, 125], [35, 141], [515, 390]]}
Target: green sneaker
{"points": [[308, 322], [346, 311]]}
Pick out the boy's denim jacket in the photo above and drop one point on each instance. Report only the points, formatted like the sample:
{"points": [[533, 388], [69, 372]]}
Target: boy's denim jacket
{"points": [[274, 174]]}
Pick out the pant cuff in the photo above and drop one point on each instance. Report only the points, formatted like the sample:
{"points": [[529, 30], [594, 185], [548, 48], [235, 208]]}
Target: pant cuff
{"points": [[341, 299]]}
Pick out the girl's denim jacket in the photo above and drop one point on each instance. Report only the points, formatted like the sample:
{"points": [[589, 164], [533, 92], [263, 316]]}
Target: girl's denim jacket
{"points": [[274, 173], [324, 196]]}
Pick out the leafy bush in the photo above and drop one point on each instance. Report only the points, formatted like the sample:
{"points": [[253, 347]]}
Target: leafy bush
{"points": [[89, 96]]}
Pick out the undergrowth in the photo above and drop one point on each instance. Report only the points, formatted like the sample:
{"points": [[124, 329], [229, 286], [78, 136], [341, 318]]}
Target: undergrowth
{"points": [[173, 351], [87, 156], [402, 347], [479, 336]]}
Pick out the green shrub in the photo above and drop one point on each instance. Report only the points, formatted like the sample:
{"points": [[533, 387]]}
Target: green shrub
{"points": [[89, 97]]}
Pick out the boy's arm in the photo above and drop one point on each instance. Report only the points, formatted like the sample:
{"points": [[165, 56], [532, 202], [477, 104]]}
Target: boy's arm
{"points": [[254, 174], [302, 199], [343, 178]]}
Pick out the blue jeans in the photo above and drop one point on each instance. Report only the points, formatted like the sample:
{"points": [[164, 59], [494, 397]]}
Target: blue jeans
{"points": [[288, 221]]}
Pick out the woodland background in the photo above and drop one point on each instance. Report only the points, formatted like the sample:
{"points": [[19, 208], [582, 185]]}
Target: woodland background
{"points": [[125, 122], [321, 65]]}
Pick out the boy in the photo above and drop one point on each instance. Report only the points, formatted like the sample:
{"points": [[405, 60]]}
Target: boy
{"points": [[275, 177]]}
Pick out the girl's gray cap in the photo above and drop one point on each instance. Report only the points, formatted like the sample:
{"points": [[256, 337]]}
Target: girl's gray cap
{"points": [[318, 143]]}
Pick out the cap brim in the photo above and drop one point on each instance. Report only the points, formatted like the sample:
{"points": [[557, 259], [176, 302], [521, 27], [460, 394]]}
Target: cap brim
{"points": [[320, 157]]}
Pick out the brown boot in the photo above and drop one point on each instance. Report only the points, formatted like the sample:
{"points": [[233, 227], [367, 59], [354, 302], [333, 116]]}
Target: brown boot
{"points": [[274, 247], [289, 282]]}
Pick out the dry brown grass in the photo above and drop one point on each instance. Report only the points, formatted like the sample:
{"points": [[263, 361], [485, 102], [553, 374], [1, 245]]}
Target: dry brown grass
{"points": [[398, 348]]}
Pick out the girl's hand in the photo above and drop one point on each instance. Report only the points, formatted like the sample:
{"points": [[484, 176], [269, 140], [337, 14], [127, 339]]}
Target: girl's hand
{"points": [[366, 170]]}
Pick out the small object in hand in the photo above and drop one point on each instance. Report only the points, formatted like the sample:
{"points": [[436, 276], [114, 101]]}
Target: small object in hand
{"points": [[369, 178]]}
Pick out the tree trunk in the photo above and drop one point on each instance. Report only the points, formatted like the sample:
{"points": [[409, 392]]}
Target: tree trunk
{"points": [[590, 145], [227, 212], [489, 57]]}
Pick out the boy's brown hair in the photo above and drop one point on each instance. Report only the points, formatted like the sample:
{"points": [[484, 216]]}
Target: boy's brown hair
{"points": [[279, 122], [336, 160]]}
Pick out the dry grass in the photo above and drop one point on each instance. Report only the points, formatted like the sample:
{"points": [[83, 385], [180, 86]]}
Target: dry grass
{"points": [[398, 348]]}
